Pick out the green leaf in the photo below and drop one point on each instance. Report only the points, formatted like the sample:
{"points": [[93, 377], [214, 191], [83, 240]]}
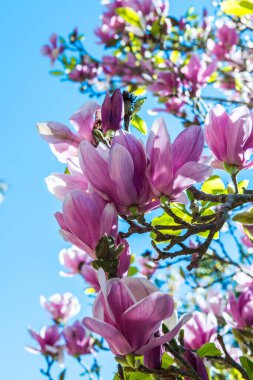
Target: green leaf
{"points": [[132, 271], [175, 55], [242, 185], [139, 376], [56, 73], [208, 349], [139, 124], [130, 16], [167, 360], [238, 8], [245, 217], [213, 185], [247, 365]]}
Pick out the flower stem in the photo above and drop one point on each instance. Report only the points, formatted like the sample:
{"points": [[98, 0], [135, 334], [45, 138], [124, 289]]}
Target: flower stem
{"points": [[234, 180]]}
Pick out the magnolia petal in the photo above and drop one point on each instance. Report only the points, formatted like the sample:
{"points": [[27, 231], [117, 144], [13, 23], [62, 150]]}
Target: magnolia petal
{"points": [[164, 338], [116, 341]]}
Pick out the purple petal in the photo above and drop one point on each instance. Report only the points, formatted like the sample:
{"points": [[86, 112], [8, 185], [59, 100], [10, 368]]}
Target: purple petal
{"points": [[217, 122], [60, 184], [187, 175], [106, 112], [143, 319], [117, 109], [95, 169], [188, 146], [240, 129], [83, 119], [159, 150], [62, 141], [116, 341], [108, 221], [81, 215], [121, 168], [164, 338]]}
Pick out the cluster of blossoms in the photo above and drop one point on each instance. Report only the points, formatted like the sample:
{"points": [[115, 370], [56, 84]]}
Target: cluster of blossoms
{"points": [[114, 186], [52, 341], [172, 58], [110, 176]]}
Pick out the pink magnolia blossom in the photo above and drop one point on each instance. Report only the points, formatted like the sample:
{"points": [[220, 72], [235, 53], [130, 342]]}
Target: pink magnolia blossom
{"points": [[86, 217], [244, 278], [239, 312], [175, 167], [48, 340], [118, 173], [128, 313], [87, 70], [148, 267], [212, 302], [78, 340], [63, 142], [79, 262], [60, 184], [227, 38], [198, 72], [112, 111], [166, 84], [199, 330], [62, 307], [230, 137], [53, 50]]}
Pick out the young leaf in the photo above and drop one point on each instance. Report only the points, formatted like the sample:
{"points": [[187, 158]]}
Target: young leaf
{"points": [[238, 8], [208, 349], [245, 217], [167, 360], [130, 16], [56, 72], [247, 365], [139, 124], [213, 185]]}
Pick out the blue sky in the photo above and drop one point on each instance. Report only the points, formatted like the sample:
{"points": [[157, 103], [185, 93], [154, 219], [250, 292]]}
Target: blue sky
{"points": [[29, 234]]}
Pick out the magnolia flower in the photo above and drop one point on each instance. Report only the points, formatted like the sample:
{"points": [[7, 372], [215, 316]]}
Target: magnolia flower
{"points": [[198, 72], [62, 307], [112, 111], [175, 167], [128, 314], [78, 340], [239, 312], [85, 71], [227, 38], [118, 173], [199, 330], [52, 51], [79, 262], [230, 137], [212, 302], [148, 267], [86, 217], [244, 278], [48, 340], [63, 142]]}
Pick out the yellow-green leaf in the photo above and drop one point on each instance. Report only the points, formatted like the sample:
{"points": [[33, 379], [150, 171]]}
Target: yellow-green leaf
{"points": [[238, 8], [245, 217], [139, 124], [130, 16], [213, 185]]}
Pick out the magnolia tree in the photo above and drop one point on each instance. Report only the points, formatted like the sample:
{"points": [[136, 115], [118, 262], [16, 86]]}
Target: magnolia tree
{"points": [[183, 307]]}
